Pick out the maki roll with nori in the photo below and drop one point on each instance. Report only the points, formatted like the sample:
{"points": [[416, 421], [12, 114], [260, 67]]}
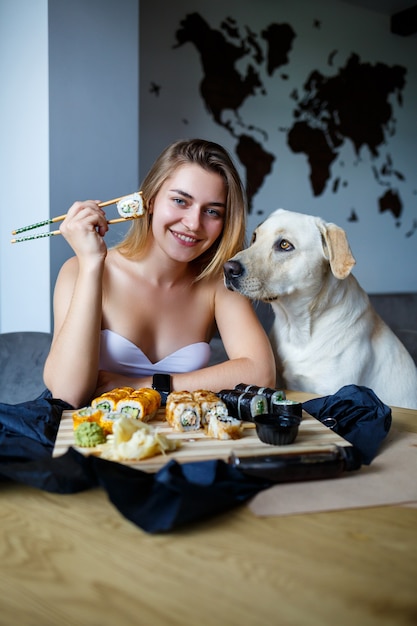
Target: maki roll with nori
{"points": [[287, 408], [272, 395], [244, 406]]}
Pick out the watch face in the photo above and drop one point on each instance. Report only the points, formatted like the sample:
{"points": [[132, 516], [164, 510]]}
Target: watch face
{"points": [[162, 382]]}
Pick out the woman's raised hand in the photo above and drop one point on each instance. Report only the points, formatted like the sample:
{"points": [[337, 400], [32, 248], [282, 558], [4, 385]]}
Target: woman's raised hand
{"points": [[84, 228]]}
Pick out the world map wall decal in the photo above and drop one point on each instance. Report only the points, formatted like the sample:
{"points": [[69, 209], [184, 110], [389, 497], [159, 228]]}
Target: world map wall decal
{"points": [[354, 103]]}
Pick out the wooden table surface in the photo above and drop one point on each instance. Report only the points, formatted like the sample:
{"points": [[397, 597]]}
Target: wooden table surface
{"points": [[74, 560]]}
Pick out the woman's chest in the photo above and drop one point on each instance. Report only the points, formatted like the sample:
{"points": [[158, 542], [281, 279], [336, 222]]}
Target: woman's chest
{"points": [[158, 319]]}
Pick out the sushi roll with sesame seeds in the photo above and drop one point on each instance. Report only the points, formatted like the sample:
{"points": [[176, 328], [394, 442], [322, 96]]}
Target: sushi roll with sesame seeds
{"points": [[182, 412], [224, 427]]}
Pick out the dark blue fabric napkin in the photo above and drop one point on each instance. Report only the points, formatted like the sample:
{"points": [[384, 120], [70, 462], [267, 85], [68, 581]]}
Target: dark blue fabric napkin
{"points": [[28, 430], [356, 414], [179, 493], [176, 495]]}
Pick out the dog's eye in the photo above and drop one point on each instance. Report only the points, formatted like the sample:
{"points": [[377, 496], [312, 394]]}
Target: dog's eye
{"points": [[284, 244], [253, 238]]}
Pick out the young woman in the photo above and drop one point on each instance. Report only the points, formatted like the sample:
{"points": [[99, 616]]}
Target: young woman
{"points": [[151, 305]]}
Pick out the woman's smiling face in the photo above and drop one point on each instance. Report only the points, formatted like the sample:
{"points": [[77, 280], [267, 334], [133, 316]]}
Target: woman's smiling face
{"points": [[188, 212]]}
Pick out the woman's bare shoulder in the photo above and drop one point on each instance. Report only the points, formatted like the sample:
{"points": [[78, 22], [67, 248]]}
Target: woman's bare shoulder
{"points": [[69, 269]]}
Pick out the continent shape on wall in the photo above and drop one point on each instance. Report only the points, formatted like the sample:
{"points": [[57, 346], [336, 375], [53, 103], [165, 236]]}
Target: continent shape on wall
{"points": [[223, 88], [351, 105]]}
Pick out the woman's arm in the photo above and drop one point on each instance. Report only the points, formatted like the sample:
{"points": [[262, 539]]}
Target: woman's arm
{"points": [[71, 368], [250, 354]]}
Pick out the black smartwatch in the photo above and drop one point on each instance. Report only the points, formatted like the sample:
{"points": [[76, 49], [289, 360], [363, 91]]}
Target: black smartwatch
{"points": [[162, 384]]}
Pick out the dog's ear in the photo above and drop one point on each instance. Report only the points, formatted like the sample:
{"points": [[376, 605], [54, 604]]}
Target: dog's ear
{"points": [[336, 250]]}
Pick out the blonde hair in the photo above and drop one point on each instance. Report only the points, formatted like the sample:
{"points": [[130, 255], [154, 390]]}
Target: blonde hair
{"points": [[214, 158]]}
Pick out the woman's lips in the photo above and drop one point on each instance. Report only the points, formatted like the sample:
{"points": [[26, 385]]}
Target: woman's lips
{"points": [[185, 239]]}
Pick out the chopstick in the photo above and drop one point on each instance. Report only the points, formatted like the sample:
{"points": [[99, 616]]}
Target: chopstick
{"points": [[59, 218], [51, 233]]}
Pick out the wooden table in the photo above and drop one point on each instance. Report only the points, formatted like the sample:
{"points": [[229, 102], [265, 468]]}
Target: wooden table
{"points": [[74, 560]]}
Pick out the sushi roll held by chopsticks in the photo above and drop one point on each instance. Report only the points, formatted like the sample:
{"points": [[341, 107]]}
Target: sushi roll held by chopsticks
{"points": [[129, 208]]}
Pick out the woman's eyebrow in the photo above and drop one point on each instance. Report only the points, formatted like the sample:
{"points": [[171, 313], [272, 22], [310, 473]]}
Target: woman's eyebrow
{"points": [[180, 192]]}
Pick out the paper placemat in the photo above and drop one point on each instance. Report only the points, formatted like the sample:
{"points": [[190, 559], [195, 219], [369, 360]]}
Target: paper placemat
{"points": [[389, 479]]}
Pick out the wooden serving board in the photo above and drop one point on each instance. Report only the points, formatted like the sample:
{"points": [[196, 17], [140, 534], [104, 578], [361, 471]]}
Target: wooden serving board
{"points": [[196, 446]]}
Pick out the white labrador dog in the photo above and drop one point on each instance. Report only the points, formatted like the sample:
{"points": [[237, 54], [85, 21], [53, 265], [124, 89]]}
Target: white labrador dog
{"points": [[326, 333]]}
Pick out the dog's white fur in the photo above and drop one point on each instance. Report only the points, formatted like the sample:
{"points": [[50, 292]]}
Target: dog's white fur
{"points": [[326, 333]]}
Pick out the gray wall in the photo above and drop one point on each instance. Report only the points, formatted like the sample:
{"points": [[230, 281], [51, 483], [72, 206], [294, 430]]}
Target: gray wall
{"points": [[326, 35], [98, 148], [24, 163], [94, 107]]}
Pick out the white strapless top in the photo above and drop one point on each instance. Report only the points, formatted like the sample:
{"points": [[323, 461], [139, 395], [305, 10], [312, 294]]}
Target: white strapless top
{"points": [[121, 356]]}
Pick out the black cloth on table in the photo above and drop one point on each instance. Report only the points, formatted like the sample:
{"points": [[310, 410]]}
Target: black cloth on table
{"points": [[178, 493]]}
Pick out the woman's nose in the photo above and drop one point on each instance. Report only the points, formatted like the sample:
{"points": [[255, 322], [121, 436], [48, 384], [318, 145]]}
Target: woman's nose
{"points": [[192, 218]]}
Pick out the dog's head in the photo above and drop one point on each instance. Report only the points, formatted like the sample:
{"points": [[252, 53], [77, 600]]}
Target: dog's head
{"points": [[289, 252]]}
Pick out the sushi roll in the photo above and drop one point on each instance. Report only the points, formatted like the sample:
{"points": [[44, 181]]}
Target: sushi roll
{"points": [[142, 404], [244, 406], [105, 403], [210, 404], [108, 401], [287, 408], [154, 398], [86, 414], [182, 412], [131, 206], [224, 427], [271, 394], [108, 419]]}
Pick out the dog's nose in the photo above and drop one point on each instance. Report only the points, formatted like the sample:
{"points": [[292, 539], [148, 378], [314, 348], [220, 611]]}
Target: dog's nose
{"points": [[233, 269]]}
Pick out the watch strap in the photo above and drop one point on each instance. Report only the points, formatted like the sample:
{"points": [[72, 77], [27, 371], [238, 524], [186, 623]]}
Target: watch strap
{"points": [[162, 384]]}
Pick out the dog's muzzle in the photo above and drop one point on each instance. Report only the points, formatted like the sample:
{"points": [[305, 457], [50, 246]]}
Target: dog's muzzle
{"points": [[233, 272]]}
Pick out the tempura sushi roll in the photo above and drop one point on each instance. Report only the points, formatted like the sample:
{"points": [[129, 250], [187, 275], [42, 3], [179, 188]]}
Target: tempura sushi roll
{"points": [[210, 404], [86, 414], [108, 400], [154, 398], [142, 404], [107, 420], [244, 406], [131, 206], [182, 411], [135, 406], [224, 427]]}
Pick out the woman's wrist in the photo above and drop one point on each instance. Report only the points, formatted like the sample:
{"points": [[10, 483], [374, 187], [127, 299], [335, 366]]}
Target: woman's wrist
{"points": [[163, 384]]}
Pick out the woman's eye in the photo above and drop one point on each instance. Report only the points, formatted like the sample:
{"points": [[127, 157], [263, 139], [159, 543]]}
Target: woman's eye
{"points": [[214, 213], [179, 201]]}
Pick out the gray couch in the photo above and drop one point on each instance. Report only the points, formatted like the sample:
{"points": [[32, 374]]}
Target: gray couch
{"points": [[399, 311], [22, 357]]}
